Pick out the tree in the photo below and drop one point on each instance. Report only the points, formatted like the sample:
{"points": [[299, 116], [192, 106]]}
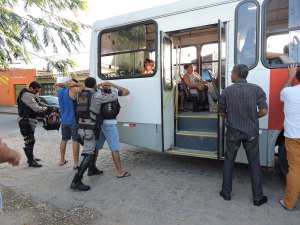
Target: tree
{"points": [[23, 35]]}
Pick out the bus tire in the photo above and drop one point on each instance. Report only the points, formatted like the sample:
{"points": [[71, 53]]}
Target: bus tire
{"points": [[283, 162]]}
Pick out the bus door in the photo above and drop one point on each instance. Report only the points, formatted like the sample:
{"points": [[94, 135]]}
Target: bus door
{"points": [[221, 82], [167, 102]]}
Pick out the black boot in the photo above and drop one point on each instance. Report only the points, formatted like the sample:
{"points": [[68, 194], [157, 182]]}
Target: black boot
{"points": [[33, 163], [36, 159], [76, 182], [30, 159], [93, 170], [78, 185]]}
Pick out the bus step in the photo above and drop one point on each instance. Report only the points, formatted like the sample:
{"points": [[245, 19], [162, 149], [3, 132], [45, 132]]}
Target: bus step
{"points": [[207, 141], [194, 153], [201, 123]]}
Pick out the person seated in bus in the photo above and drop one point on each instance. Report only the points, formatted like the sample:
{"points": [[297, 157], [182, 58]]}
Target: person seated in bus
{"points": [[148, 66], [285, 57], [181, 98], [195, 83]]}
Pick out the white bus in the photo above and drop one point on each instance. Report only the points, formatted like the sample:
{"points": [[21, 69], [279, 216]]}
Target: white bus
{"points": [[214, 35]]}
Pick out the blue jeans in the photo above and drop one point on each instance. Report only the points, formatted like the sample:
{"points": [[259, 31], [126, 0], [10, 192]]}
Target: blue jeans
{"points": [[234, 139], [110, 133]]}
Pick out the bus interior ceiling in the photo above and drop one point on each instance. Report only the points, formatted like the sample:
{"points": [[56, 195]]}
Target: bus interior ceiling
{"points": [[196, 36]]}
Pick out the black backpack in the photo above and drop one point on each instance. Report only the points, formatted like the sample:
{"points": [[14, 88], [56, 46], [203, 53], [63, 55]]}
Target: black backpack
{"points": [[51, 120], [83, 104], [110, 110]]}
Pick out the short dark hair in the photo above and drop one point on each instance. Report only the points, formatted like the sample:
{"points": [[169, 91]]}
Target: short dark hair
{"points": [[35, 85], [147, 60], [90, 82], [241, 70], [187, 65], [76, 81], [298, 75]]}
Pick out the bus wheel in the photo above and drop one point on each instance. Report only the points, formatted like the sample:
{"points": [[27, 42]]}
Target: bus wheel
{"points": [[283, 163]]}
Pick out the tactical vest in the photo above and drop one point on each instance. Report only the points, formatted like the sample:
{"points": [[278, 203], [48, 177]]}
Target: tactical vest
{"points": [[83, 108], [23, 109]]}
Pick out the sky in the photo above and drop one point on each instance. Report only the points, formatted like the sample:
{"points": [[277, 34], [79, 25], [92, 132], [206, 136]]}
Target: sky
{"points": [[98, 10]]}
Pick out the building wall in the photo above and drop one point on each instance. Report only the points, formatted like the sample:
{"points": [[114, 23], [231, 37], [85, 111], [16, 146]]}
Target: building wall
{"points": [[16, 77], [24, 77]]}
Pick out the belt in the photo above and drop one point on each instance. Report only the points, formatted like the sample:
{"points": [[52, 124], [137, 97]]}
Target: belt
{"points": [[88, 126]]}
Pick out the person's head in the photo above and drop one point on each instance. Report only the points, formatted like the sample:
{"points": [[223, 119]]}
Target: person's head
{"points": [[286, 49], [189, 68], [149, 65], [34, 87], [90, 82], [239, 71]]}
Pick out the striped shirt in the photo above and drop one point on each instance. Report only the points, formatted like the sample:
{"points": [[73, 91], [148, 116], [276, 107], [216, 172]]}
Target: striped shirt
{"points": [[240, 102]]}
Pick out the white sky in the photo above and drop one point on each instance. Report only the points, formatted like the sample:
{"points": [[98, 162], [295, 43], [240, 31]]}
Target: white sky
{"points": [[98, 10]]}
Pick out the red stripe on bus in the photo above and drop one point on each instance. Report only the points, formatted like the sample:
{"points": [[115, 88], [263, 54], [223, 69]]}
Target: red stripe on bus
{"points": [[278, 77]]}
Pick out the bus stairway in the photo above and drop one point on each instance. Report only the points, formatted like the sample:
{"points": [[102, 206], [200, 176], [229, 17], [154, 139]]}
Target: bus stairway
{"points": [[197, 133]]}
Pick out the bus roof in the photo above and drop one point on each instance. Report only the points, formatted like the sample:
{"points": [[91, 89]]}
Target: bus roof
{"points": [[159, 12]]}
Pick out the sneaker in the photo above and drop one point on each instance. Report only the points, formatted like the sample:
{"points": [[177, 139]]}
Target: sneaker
{"points": [[283, 205], [263, 200]]}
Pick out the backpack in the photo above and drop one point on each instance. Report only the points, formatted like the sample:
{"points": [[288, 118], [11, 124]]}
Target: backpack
{"points": [[83, 104], [110, 110], [51, 121]]}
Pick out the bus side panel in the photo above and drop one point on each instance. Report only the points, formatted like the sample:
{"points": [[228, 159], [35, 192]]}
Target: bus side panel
{"points": [[141, 135], [278, 77]]}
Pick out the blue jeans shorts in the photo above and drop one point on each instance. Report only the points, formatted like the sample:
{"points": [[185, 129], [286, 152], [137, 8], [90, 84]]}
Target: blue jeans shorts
{"points": [[110, 133], [69, 131]]}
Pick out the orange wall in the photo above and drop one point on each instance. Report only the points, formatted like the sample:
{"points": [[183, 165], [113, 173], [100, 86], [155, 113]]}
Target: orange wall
{"points": [[8, 91]]}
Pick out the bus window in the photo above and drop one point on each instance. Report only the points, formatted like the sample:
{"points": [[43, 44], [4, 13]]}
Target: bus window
{"points": [[282, 33], [246, 40], [209, 59], [167, 64], [187, 55], [122, 51]]}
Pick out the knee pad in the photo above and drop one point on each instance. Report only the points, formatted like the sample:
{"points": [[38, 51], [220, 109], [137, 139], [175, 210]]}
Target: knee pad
{"points": [[29, 141]]}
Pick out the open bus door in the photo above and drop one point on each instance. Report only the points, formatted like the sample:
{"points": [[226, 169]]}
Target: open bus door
{"points": [[221, 83], [167, 104]]}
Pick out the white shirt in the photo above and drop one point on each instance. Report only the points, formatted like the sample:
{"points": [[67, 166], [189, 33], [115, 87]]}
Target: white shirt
{"points": [[291, 98]]}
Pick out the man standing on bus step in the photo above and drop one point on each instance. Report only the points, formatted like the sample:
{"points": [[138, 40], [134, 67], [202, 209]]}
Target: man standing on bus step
{"points": [[238, 103], [290, 96], [67, 97]]}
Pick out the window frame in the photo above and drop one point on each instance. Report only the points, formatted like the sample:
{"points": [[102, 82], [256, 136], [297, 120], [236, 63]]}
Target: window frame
{"points": [[99, 55], [257, 31], [264, 37]]}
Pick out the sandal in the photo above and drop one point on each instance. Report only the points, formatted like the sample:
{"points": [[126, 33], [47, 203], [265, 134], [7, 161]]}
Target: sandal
{"points": [[213, 110], [63, 163], [182, 110]]}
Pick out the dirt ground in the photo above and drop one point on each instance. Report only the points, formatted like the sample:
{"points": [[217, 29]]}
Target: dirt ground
{"points": [[162, 190], [24, 210]]}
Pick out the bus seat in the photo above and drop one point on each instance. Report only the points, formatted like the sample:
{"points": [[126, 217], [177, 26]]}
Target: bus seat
{"points": [[197, 99]]}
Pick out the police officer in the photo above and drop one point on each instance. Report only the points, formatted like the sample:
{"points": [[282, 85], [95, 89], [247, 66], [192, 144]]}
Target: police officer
{"points": [[88, 128], [28, 108]]}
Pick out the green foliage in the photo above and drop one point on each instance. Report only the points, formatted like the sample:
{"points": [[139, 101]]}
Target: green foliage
{"points": [[25, 34]]}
